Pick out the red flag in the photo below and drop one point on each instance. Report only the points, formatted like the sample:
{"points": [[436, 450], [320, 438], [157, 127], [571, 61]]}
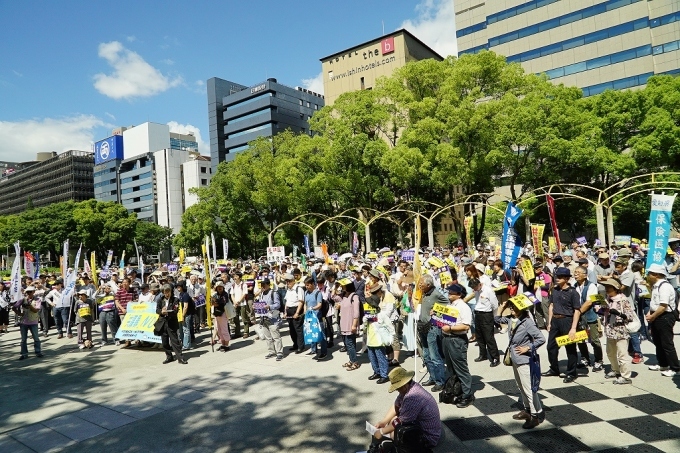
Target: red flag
{"points": [[553, 221]]}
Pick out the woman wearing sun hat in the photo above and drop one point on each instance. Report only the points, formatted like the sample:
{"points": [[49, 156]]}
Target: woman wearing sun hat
{"points": [[616, 315]]}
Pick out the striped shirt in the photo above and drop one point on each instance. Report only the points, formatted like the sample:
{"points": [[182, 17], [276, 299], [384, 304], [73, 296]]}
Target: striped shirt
{"points": [[123, 296], [419, 406]]}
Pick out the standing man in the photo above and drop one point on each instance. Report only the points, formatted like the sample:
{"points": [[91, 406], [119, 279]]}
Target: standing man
{"points": [[124, 295], [267, 312], [455, 344], [30, 306], [586, 289], [486, 303], [563, 316], [662, 320], [238, 293], [294, 306], [61, 308], [430, 337]]}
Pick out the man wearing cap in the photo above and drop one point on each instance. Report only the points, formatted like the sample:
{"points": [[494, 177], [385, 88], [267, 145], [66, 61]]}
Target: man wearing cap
{"points": [[415, 406], [429, 335], [563, 316], [294, 306], [603, 270], [60, 308], [455, 344], [587, 290], [569, 262], [84, 310], [267, 313], [661, 320], [486, 304], [30, 308]]}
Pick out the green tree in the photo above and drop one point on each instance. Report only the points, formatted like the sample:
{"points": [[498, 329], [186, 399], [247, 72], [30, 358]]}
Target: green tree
{"points": [[103, 226], [152, 238]]}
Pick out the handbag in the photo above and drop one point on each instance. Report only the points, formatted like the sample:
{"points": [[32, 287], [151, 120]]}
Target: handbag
{"points": [[230, 309], [512, 290], [311, 328], [633, 325], [535, 369], [218, 311], [159, 326]]}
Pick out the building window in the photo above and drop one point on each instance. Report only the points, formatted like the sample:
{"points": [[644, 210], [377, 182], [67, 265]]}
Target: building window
{"points": [[362, 83], [204, 170], [316, 106], [300, 101], [204, 182], [308, 104]]}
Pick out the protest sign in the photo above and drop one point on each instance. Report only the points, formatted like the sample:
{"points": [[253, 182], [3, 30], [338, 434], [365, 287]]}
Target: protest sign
{"points": [[564, 340], [275, 253], [528, 269], [443, 315], [138, 323]]}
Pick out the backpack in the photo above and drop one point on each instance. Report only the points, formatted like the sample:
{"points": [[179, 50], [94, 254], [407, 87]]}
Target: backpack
{"points": [[452, 389], [676, 314]]}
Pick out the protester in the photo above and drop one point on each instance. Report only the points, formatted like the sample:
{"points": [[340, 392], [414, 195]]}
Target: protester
{"points": [[267, 313], [60, 308], [4, 308], [429, 335], [167, 325], [661, 320], [524, 339], [485, 305], [219, 302], [347, 303], [84, 308], [587, 290], [294, 303], [29, 308], [455, 344], [617, 313], [106, 304], [313, 302], [379, 332], [563, 316], [414, 406]]}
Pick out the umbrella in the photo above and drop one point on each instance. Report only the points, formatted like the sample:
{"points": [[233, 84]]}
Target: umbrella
{"points": [[345, 256]]}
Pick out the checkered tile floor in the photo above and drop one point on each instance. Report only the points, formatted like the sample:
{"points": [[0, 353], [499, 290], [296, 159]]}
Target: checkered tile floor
{"points": [[600, 417]]}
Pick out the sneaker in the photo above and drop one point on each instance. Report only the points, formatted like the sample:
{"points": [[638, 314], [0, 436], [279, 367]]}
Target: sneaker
{"points": [[637, 358], [82, 346], [622, 380], [611, 375], [597, 367], [271, 355], [465, 402], [319, 358], [658, 368], [117, 343], [22, 357], [670, 373], [279, 357], [584, 363], [39, 354], [103, 343]]}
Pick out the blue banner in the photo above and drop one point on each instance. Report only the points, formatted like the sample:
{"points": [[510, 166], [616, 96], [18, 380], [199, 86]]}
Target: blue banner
{"points": [[659, 228], [306, 245], [511, 243], [37, 265]]}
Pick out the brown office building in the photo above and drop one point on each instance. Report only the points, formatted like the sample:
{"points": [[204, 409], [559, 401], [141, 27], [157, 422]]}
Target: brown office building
{"points": [[358, 67]]}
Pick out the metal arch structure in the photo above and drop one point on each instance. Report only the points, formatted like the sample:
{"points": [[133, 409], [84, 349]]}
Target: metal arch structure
{"points": [[313, 228]]}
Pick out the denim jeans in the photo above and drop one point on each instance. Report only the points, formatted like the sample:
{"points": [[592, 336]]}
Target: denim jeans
{"points": [[351, 345], [61, 318], [188, 330], [321, 347], [108, 318], [24, 336], [378, 360], [433, 354]]}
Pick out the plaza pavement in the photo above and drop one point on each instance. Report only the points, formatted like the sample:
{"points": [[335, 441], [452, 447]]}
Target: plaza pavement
{"points": [[124, 400]]}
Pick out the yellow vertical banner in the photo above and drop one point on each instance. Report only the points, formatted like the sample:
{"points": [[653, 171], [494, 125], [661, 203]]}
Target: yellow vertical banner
{"points": [[94, 276], [528, 269], [182, 256], [467, 224], [552, 244], [208, 289], [324, 249], [537, 238], [417, 270]]}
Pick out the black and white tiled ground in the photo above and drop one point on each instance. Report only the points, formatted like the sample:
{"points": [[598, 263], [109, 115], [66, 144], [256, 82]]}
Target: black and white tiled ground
{"points": [[579, 417]]}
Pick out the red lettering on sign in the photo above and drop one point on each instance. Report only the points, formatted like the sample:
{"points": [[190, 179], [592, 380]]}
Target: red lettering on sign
{"points": [[387, 45]]}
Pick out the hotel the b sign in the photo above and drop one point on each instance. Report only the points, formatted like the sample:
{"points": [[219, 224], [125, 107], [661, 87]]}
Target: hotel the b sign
{"points": [[387, 45]]}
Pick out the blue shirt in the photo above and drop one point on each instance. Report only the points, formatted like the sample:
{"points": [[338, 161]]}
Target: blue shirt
{"points": [[312, 299]]}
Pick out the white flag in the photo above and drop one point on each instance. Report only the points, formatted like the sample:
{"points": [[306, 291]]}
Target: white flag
{"points": [[212, 237], [225, 248], [70, 282], [15, 283]]}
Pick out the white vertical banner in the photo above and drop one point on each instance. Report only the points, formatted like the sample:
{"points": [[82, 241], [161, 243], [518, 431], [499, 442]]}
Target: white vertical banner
{"points": [[139, 261], [225, 248], [70, 286], [65, 261], [207, 247], [212, 238], [15, 282]]}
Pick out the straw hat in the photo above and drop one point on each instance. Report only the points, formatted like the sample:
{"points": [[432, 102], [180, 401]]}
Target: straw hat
{"points": [[399, 377]]}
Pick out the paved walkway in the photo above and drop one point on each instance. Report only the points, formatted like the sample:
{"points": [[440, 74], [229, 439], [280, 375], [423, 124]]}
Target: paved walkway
{"points": [[120, 400]]}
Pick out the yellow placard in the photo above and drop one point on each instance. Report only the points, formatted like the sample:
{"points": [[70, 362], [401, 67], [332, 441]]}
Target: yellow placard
{"points": [[552, 244], [185, 269], [434, 261], [492, 241], [581, 336], [369, 309], [539, 282], [528, 269], [84, 311], [598, 299], [445, 278], [449, 310], [521, 301], [141, 321]]}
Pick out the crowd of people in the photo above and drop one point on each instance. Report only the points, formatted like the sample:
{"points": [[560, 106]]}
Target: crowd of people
{"points": [[603, 293]]}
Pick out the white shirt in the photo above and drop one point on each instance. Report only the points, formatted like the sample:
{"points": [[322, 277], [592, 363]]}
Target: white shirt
{"points": [[486, 299], [294, 296], [662, 294], [592, 290], [54, 299], [464, 313], [237, 291]]}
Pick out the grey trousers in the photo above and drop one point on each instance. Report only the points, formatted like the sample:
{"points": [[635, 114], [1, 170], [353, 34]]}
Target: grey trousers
{"points": [[273, 338], [523, 378]]}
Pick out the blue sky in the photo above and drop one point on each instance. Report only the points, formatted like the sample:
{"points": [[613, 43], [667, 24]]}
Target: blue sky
{"points": [[71, 71]]}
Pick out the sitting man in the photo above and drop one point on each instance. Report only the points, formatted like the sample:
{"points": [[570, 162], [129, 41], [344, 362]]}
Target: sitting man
{"points": [[414, 416]]}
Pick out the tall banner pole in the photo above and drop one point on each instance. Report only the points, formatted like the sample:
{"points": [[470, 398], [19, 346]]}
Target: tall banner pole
{"points": [[70, 286], [208, 293], [659, 228], [550, 201]]}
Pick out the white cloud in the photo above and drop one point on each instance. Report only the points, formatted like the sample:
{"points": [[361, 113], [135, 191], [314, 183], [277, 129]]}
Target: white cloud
{"points": [[132, 76], [185, 129], [435, 26], [168, 62], [314, 83], [21, 140], [131, 38], [17, 73]]}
